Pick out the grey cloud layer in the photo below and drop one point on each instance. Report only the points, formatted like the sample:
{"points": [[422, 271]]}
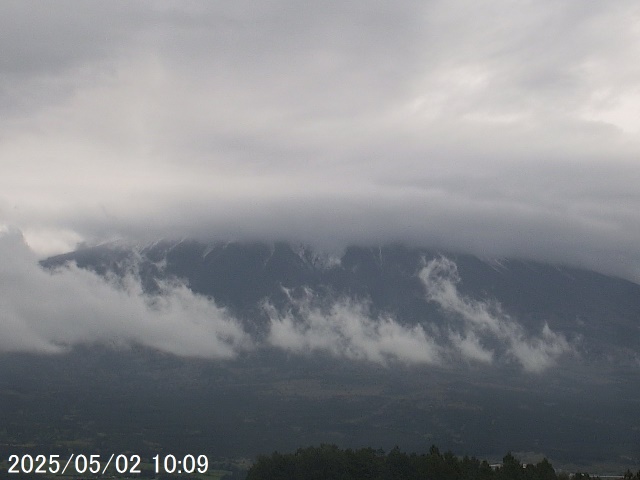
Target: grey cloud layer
{"points": [[498, 128]]}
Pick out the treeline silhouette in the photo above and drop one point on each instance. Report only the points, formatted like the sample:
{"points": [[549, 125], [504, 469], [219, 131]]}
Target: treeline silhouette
{"points": [[328, 462]]}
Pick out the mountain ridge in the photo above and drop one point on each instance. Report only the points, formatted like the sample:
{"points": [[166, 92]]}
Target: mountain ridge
{"points": [[240, 276], [387, 346]]}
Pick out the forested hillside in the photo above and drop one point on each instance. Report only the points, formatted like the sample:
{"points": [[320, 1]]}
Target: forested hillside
{"points": [[328, 462]]}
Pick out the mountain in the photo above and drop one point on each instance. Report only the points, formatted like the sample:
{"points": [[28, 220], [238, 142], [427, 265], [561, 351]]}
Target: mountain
{"points": [[603, 311], [377, 346]]}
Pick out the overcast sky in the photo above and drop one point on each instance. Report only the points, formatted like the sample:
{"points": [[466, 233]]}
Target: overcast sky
{"points": [[502, 128]]}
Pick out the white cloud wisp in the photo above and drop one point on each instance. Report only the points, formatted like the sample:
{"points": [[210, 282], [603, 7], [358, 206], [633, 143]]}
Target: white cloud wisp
{"points": [[346, 329], [485, 323], [51, 312]]}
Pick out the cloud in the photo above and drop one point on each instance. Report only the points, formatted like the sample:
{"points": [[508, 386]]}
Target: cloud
{"points": [[496, 128], [492, 128], [51, 312], [470, 347], [346, 329], [485, 323], [473, 330]]}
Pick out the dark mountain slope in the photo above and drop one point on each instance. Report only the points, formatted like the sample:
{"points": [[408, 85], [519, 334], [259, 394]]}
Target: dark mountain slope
{"points": [[580, 409], [241, 276]]}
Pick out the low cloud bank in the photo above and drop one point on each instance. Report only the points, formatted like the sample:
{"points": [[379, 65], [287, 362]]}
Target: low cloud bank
{"points": [[473, 331], [346, 329], [476, 324], [51, 312]]}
